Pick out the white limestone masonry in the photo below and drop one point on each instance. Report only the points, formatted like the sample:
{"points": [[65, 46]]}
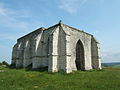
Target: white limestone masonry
{"points": [[59, 47]]}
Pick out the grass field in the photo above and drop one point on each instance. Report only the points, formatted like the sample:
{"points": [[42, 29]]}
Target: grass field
{"points": [[20, 79], [113, 65]]}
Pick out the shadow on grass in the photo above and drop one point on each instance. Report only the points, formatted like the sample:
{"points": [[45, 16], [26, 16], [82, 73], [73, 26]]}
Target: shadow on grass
{"points": [[95, 70], [45, 69], [41, 69], [29, 68]]}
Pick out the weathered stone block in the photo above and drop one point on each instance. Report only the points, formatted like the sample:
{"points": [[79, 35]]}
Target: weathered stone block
{"points": [[58, 47]]}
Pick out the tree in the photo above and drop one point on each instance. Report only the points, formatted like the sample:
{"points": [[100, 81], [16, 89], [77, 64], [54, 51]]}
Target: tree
{"points": [[5, 63]]}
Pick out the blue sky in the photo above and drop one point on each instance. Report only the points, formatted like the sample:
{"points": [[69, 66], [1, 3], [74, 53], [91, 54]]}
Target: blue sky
{"points": [[98, 17]]}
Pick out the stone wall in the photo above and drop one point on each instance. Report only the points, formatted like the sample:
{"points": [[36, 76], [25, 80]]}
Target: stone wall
{"points": [[74, 36], [55, 47], [95, 50], [57, 52], [24, 51]]}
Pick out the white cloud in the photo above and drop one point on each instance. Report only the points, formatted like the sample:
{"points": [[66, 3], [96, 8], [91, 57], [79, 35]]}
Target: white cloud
{"points": [[95, 32], [83, 2], [102, 1], [111, 55], [8, 18], [8, 37], [15, 19], [4, 11], [71, 6], [13, 24]]}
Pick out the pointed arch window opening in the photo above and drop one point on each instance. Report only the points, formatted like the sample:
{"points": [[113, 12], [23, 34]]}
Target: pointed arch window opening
{"points": [[80, 62]]}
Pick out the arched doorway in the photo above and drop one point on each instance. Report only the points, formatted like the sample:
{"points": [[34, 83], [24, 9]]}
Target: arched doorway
{"points": [[79, 56]]}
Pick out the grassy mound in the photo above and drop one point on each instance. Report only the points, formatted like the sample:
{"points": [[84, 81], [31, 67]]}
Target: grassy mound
{"points": [[21, 79]]}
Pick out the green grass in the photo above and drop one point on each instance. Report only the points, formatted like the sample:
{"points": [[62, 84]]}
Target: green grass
{"points": [[117, 66], [20, 79]]}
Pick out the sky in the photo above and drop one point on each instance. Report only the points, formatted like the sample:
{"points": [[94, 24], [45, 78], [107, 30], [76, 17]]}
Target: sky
{"points": [[98, 17]]}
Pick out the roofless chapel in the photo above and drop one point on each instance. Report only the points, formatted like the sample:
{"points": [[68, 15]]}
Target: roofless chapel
{"points": [[59, 47]]}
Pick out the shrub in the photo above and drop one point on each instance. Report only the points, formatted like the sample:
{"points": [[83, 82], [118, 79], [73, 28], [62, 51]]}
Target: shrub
{"points": [[5, 63], [13, 65], [0, 63]]}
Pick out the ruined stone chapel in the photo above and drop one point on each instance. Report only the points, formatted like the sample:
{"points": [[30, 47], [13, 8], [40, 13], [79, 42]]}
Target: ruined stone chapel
{"points": [[59, 47]]}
